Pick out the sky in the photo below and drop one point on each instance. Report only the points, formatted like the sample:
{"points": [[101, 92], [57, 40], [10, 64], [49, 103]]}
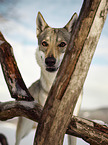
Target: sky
{"points": [[18, 25]]}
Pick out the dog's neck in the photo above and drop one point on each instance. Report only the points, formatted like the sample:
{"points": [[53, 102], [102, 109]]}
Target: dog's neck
{"points": [[47, 79]]}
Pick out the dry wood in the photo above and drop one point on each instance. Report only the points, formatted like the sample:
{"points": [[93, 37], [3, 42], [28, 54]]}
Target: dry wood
{"points": [[11, 72], [89, 131], [60, 104], [59, 107], [31, 110]]}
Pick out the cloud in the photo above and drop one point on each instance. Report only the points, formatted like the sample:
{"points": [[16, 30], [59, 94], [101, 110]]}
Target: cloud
{"points": [[30, 71], [25, 57], [20, 33], [96, 87], [102, 50], [7, 8]]}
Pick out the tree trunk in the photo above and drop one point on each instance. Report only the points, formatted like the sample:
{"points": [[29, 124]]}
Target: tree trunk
{"points": [[89, 131], [56, 115], [62, 97], [13, 78]]}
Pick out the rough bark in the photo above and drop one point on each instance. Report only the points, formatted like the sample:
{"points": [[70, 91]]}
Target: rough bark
{"points": [[89, 131], [11, 72], [64, 93], [31, 110], [60, 104]]}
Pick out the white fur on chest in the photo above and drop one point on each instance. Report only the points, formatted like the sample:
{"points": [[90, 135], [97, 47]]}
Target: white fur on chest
{"points": [[46, 80]]}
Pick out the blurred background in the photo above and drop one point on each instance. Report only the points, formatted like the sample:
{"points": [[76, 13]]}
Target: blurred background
{"points": [[18, 25]]}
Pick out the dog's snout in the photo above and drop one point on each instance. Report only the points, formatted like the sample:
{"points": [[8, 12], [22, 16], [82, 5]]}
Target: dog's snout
{"points": [[50, 61]]}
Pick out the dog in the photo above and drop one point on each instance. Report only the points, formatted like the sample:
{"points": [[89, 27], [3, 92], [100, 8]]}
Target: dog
{"points": [[52, 43]]}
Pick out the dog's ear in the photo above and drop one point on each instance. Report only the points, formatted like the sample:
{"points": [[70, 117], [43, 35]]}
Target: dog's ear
{"points": [[71, 22], [40, 24]]}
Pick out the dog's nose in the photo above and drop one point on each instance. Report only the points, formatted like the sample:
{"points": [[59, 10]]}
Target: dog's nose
{"points": [[50, 61]]}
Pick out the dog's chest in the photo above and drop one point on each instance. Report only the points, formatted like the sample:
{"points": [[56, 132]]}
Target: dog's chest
{"points": [[42, 97]]}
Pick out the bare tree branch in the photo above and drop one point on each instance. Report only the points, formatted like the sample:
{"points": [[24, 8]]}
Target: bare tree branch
{"points": [[89, 131], [3, 139], [11, 72], [31, 110], [56, 115], [60, 104]]}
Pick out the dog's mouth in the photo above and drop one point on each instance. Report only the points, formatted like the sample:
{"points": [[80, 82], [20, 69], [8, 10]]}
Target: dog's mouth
{"points": [[51, 64], [51, 68]]}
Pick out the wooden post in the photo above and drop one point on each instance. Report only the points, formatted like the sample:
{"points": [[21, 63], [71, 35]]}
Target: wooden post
{"points": [[56, 115], [12, 76], [62, 97]]}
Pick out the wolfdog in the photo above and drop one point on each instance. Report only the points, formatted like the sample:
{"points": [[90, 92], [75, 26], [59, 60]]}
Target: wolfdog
{"points": [[52, 43]]}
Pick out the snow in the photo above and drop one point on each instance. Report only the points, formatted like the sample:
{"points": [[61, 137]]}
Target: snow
{"points": [[100, 122], [28, 104], [16, 89], [24, 42], [1, 42], [9, 129]]}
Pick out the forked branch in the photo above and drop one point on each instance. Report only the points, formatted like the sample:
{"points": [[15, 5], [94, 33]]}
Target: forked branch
{"points": [[68, 84], [56, 115], [89, 131], [12, 76]]}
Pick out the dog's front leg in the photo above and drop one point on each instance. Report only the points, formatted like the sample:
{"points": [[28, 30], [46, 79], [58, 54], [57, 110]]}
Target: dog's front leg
{"points": [[23, 128]]}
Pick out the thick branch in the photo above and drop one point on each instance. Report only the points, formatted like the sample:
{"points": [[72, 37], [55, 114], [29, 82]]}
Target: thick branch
{"points": [[13, 78], [31, 110], [89, 131], [60, 104], [58, 109]]}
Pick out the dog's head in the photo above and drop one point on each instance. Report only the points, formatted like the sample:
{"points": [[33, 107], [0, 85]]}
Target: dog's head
{"points": [[52, 43]]}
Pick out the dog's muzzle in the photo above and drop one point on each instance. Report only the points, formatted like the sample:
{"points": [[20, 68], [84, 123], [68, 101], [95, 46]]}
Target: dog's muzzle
{"points": [[50, 64]]}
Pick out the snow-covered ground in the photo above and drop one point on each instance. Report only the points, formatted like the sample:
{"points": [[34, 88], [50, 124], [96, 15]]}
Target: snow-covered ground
{"points": [[17, 23], [8, 129]]}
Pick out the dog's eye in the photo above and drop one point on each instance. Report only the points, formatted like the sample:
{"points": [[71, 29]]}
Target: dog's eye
{"points": [[44, 43], [62, 44]]}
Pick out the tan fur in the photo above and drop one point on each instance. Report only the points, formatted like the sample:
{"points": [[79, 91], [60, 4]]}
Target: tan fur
{"points": [[52, 43]]}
